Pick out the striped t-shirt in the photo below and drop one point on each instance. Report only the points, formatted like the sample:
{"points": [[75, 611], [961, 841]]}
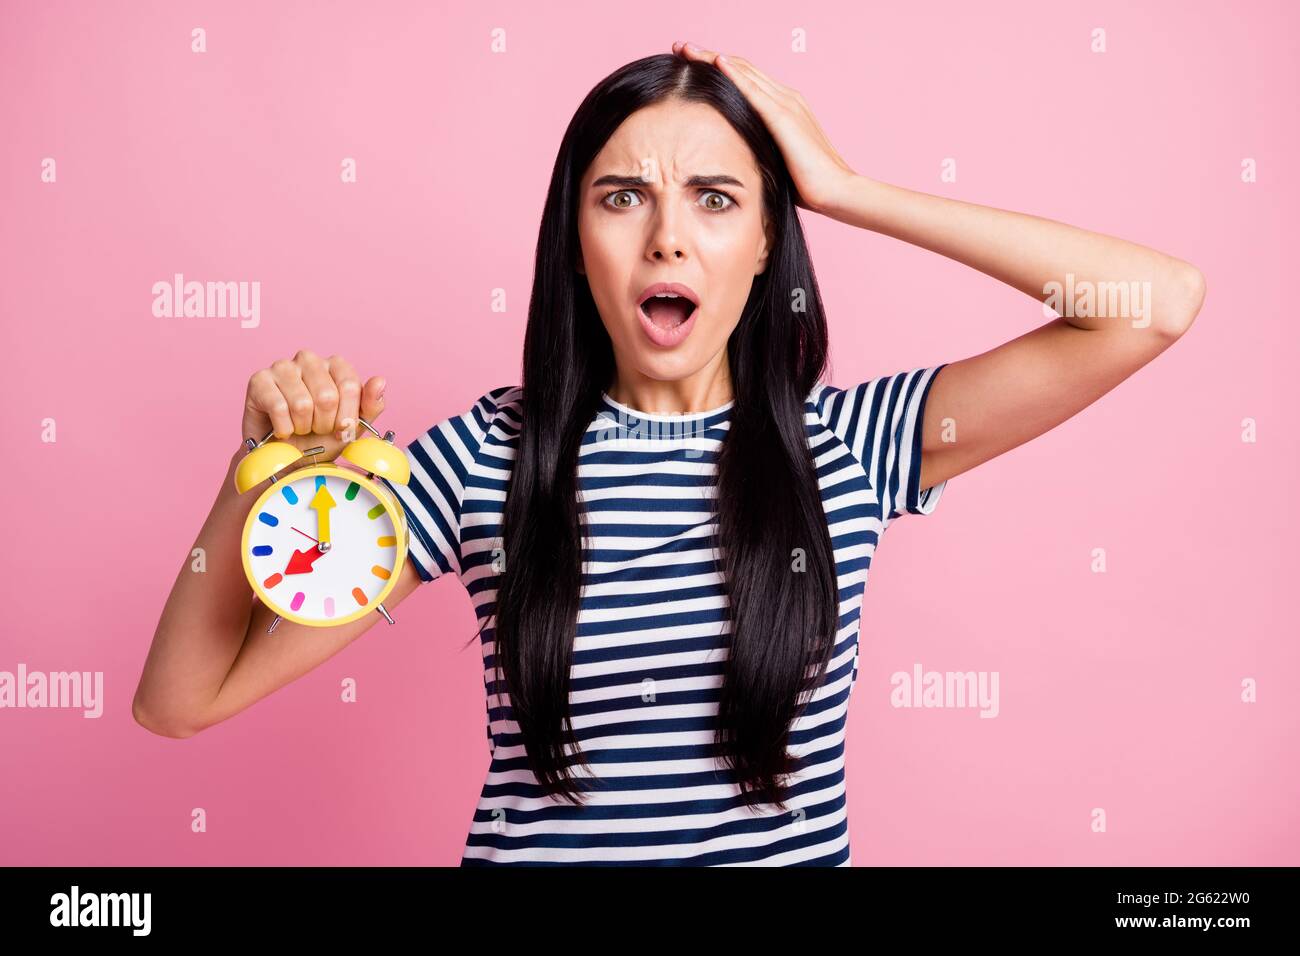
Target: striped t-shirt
{"points": [[653, 614]]}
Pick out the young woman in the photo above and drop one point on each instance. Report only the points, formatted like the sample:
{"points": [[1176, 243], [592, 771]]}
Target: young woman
{"points": [[666, 529]]}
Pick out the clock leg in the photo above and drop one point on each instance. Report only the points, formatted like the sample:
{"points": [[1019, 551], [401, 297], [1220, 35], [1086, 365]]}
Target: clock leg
{"points": [[384, 611]]}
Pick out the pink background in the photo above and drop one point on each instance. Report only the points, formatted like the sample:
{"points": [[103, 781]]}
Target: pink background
{"points": [[1118, 690]]}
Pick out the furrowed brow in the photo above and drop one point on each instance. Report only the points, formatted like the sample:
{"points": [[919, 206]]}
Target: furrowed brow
{"points": [[632, 182]]}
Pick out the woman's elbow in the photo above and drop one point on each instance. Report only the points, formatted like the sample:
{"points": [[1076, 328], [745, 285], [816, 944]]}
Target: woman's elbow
{"points": [[1188, 295], [175, 729]]}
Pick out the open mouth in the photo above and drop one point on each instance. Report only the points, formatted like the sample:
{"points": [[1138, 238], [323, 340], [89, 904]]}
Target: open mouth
{"points": [[667, 310]]}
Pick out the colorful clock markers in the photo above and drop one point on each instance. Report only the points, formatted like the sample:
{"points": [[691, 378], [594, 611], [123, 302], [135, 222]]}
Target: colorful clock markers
{"points": [[290, 572]]}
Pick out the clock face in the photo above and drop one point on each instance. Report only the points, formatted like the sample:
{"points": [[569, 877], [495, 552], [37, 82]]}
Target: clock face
{"points": [[298, 580]]}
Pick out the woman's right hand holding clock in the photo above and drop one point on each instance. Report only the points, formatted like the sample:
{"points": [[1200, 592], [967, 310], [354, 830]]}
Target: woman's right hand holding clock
{"points": [[208, 660], [311, 401]]}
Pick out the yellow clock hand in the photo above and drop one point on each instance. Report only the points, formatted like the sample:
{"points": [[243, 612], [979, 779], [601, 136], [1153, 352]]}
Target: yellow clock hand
{"points": [[321, 504]]}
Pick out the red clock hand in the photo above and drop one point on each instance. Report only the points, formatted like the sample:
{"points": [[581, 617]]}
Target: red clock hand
{"points": [[302, 561]]}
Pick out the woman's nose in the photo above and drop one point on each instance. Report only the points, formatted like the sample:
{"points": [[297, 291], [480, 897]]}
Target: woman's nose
{"points": [[666, 238]]}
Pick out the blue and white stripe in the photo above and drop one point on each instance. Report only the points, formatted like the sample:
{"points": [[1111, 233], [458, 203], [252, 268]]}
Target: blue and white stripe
{"points": [[652, 628]]}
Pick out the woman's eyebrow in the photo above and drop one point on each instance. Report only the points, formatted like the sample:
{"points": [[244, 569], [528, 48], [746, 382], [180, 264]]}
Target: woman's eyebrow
{"points": [[628, 182]]}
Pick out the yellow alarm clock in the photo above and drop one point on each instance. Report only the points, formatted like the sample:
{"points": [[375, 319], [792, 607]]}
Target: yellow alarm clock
{"points": [[324, 545]]}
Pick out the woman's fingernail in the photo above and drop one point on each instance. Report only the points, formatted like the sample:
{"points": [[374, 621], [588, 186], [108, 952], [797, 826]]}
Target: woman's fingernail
{"points": [[693, 48]]}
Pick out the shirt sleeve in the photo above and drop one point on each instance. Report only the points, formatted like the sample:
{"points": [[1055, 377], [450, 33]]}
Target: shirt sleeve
{"points": [[442, 460], [881, 421]]}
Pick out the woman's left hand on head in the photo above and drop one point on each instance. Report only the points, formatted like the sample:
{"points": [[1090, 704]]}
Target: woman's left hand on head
{"points": [[817, 170]]}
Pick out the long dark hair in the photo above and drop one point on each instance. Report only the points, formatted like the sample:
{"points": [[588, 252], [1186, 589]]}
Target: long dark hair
{"points": [[775, 551]]}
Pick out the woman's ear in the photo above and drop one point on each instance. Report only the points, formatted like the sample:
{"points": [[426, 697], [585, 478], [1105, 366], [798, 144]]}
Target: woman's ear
{"points": [[769, 240]]}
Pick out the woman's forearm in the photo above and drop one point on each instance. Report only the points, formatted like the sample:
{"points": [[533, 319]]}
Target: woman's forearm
{"points": [[205, 619], [1035, 255]]}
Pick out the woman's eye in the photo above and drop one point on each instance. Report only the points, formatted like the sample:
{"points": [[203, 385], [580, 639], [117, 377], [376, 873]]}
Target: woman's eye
{"points": [[620, 205], [718, 206]]}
